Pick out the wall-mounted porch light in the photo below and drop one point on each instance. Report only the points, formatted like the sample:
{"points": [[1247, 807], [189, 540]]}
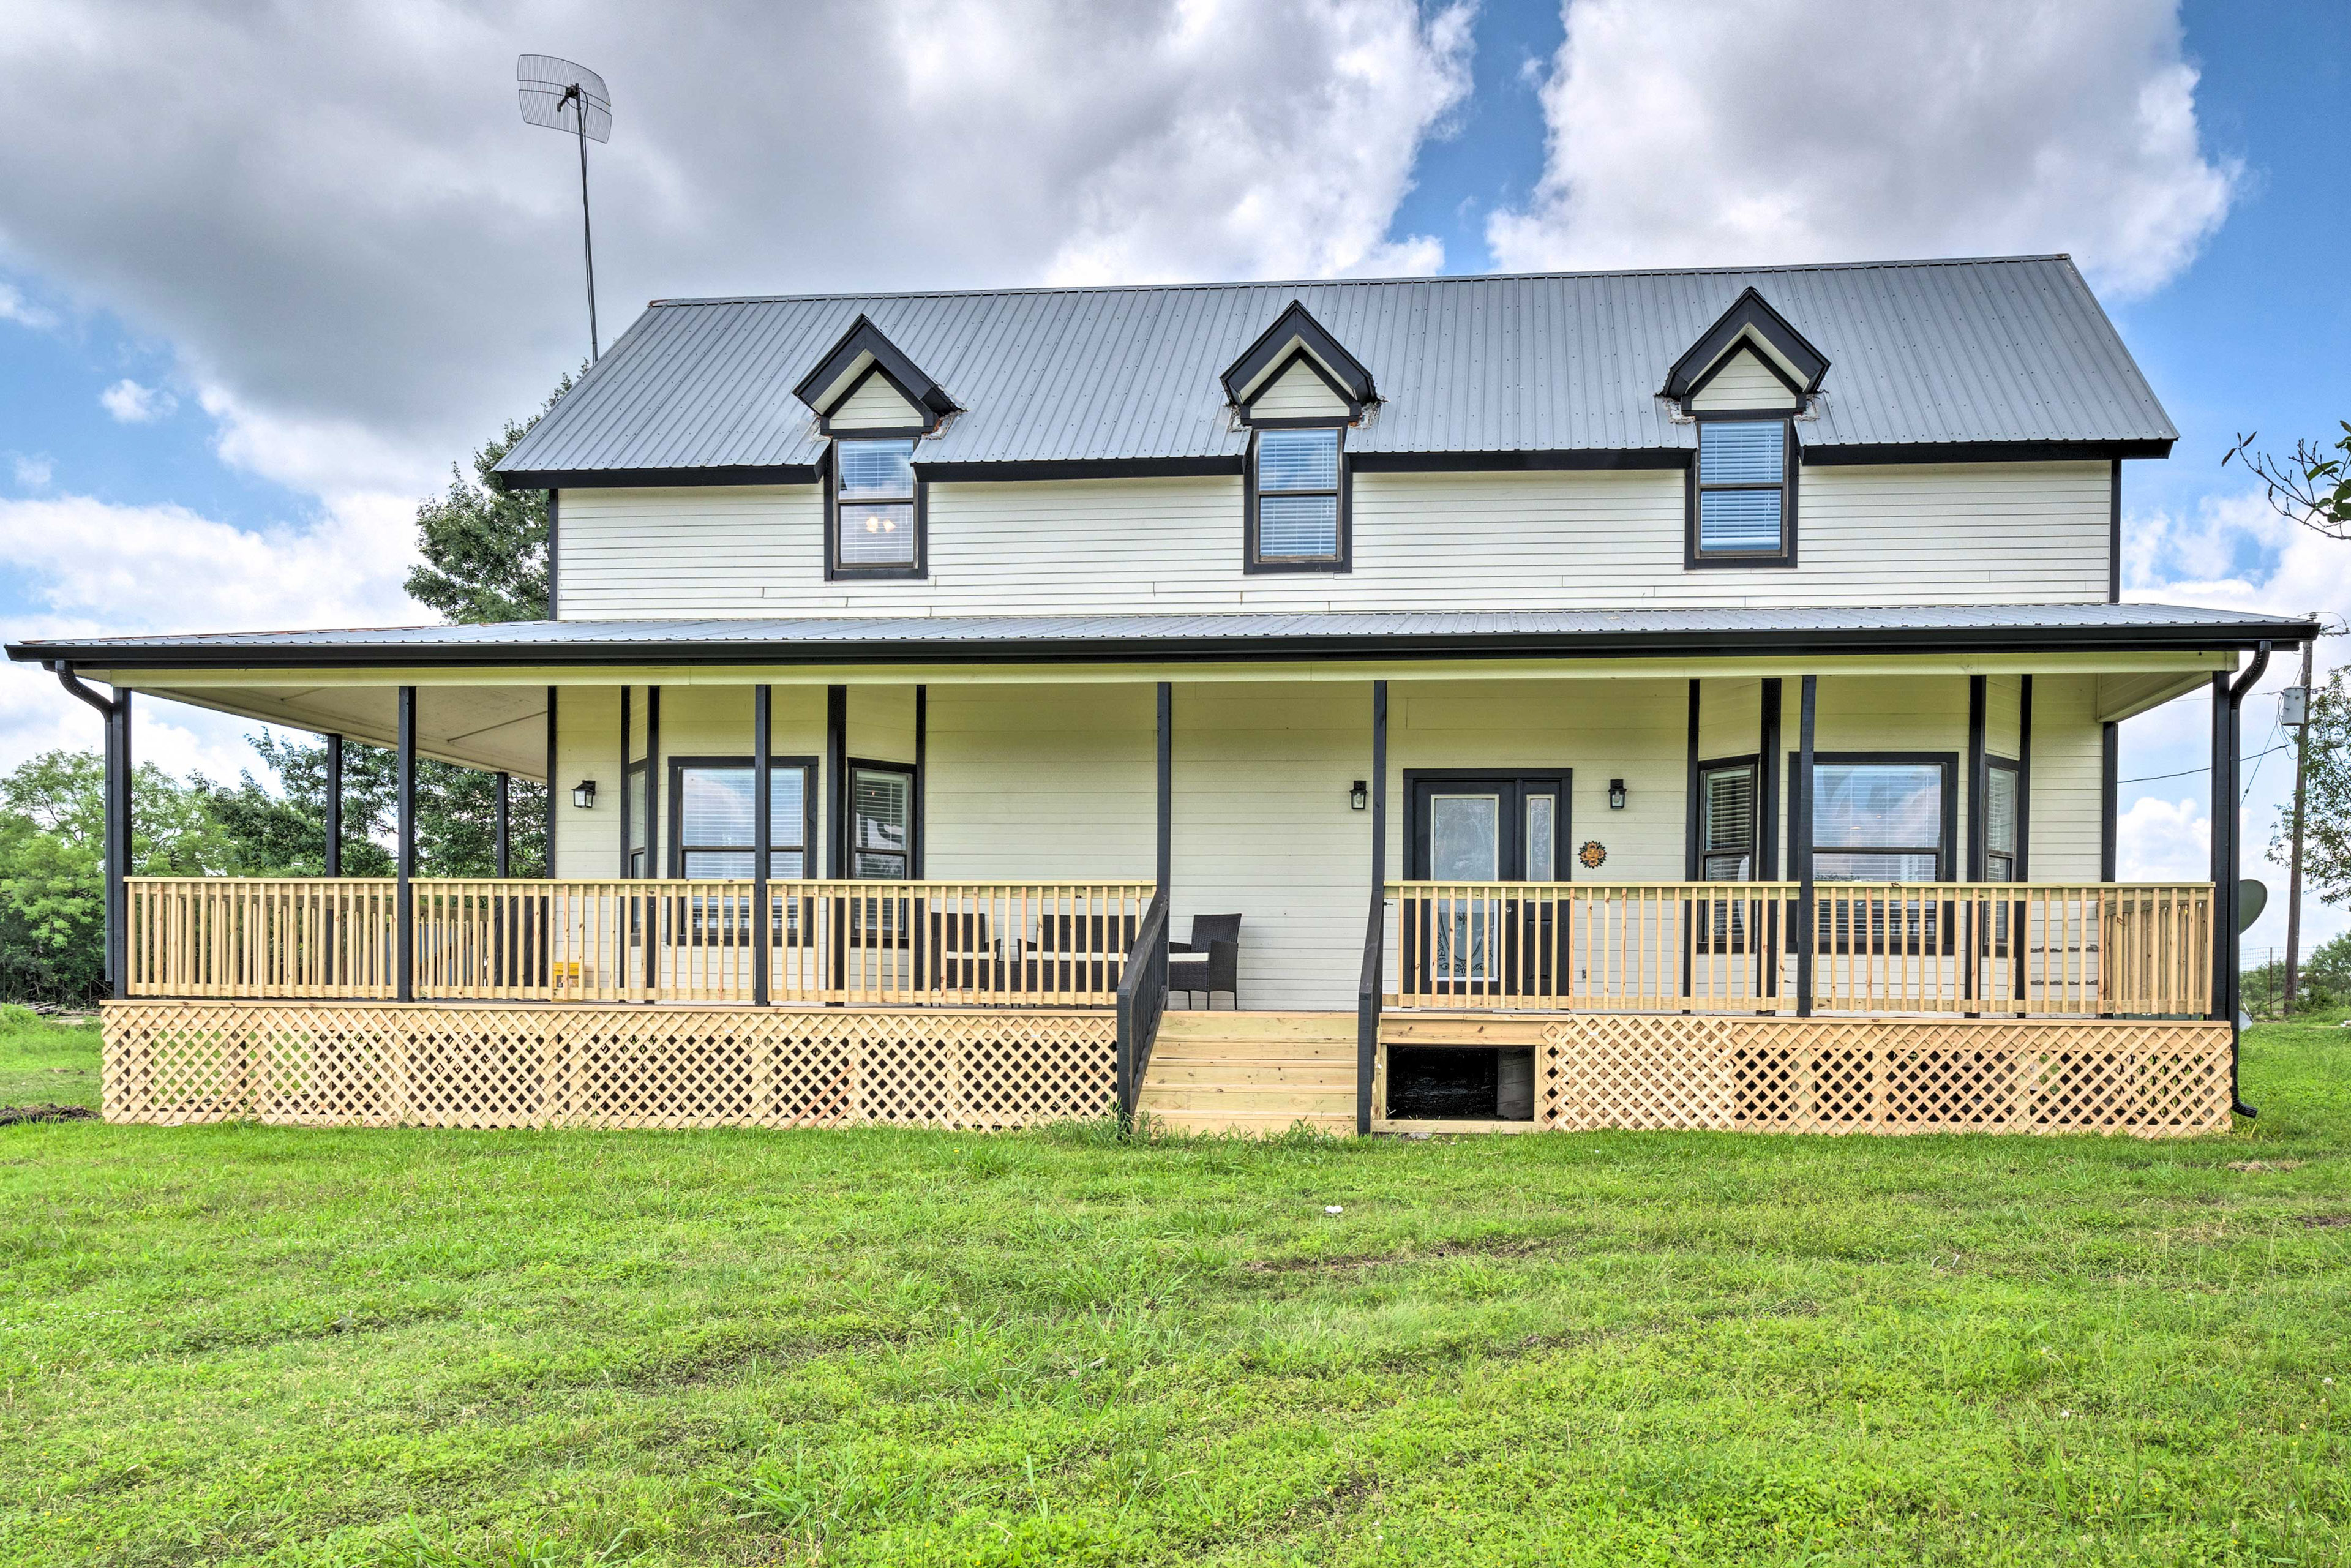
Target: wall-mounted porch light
{"points": [[1615, 794], [1359, 795], [583, 794]]}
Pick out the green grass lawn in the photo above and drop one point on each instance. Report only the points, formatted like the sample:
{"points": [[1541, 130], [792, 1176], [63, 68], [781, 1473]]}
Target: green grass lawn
{"points": [[248, 1344]]}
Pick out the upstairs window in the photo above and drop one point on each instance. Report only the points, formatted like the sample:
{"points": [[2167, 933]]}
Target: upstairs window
{"points": [[876, 521], [1742, 509], [1297, 501]]}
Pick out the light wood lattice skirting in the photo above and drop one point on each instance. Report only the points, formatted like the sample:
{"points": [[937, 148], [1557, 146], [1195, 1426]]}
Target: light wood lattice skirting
{"points": [[390, 1064], [2153, 1079]]}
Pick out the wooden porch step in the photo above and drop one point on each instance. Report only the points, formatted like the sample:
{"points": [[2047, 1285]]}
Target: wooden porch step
{"points": [[1258, 1073]]}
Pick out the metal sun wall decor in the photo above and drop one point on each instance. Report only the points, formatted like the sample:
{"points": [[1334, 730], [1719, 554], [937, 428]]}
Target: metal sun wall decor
{"points": [[1592, 854]]}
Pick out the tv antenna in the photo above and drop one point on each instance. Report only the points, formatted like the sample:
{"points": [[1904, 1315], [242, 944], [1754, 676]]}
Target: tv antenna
{"points": [[564, 97]]}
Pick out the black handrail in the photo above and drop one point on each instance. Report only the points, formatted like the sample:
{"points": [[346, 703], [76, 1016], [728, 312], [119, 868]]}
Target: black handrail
{"points": [[1367, 1008], [1142, 1002]]}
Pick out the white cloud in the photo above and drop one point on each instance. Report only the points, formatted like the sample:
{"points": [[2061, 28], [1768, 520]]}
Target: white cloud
{"points": [[2159, 839], [131, 403], [14, 306], [166, 569], [32, 473], [1795, 131]]}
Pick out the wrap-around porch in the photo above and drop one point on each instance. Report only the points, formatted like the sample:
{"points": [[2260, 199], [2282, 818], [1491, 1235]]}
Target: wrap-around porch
{"points": [[1506, 834]]}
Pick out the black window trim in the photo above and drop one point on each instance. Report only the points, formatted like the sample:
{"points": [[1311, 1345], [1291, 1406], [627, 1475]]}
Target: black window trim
{"points": [[860, 432], [2015, 765], [1756, 828], [914, 774], [1253, 564], [674, 836], [1947, 853], [834, 571], [1693, 558]]}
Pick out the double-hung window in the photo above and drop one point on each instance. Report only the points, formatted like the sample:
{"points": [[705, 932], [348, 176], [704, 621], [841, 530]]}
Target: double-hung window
{"points": [[882, 815], [2002, 821], [1742, 508], [1297, 501], [716, 833], [876, 521], [1725, 822]]}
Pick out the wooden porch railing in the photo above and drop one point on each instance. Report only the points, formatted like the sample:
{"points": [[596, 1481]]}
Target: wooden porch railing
{"points": [[862, 943], [2027, 949]]}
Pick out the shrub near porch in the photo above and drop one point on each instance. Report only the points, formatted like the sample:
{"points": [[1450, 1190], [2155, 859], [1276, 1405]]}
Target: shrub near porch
{"points": [[239, 1343]]}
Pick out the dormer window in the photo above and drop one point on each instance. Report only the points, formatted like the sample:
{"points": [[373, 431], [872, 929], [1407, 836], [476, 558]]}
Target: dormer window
{"points": [[1297, 500], [875, 517], [1742, 502]]}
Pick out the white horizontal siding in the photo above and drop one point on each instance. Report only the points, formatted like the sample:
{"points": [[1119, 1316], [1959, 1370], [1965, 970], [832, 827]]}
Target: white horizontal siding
{"points": [[875, 405], [1744, 382], [1950, 534], [1297, 393]]}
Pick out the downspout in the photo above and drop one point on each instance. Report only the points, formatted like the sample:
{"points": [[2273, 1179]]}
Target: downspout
{"points": [[116, 853], [2244, 684]]}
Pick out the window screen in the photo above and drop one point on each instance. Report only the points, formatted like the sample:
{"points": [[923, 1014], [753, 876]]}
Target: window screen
{"points": [[1742, 491], [882, 804], [1297, 496], [715, 828], [1727, 823], [874, 500], [1877, 821]]}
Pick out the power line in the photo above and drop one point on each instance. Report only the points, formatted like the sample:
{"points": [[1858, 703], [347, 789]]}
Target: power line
{"points": [[2184, 772]]}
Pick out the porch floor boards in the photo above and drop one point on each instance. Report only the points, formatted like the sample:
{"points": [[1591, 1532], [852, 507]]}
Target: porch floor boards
{"points": [[1252, 1072]]}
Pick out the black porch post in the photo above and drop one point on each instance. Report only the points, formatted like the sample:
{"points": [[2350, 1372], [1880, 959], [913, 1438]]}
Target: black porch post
{"points": [[762, 838], [405, 860], [1164, 865], [915, 824], [2023, 872], [1689, 794], [656, 867], [115, 862], [1979, 782], [504, 859], [1800, 844], [551, 786], [2224, 788], [2110, 760], [1767, 787], [1367, 1007], [2224, 806], [334, 805], [836, 779]]}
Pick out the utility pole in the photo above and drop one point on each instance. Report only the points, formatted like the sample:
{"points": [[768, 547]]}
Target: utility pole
{"points": [[2293, 862]]}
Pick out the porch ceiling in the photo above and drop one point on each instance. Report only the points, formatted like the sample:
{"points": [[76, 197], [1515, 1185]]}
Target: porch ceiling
{"points": [[497, 728]]}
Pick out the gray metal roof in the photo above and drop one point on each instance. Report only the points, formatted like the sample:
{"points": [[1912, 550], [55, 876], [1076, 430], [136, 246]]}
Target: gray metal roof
{"points": [[1922, 354], [1097, 638]]}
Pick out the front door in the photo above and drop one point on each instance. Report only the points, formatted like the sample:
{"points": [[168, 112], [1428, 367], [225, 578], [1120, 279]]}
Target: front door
{"points": [[1470, 831]]}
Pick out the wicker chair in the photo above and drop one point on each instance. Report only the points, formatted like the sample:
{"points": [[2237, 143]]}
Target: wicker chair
{"points": [[1218, 971]]}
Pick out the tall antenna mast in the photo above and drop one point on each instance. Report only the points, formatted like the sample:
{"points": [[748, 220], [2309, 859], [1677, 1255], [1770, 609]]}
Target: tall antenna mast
{"points": [[561, 95]]}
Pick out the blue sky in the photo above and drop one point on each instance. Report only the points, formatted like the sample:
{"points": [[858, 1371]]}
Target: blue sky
{"points": [[276, 444]]}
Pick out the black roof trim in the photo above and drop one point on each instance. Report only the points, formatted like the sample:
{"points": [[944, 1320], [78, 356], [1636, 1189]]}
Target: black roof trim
{"points": [[1750, 312], [865, 338], [1297, 321], [636, 478], [1512, 462], [1078, 468], [1979, 452], [1159, 639]]}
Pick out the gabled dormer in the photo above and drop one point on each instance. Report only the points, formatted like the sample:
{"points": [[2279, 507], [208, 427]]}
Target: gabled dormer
{"points": [[1296, 370], [866, 383], [873, 404], [1744, 380], [1750, 359]]}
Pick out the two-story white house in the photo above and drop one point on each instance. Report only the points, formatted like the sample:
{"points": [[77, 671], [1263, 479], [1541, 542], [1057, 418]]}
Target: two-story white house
{"points": [[1640, 699]]}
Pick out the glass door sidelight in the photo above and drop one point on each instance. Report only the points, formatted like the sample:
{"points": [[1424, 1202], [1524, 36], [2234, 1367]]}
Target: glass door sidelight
{"points": [[1478, 828]]}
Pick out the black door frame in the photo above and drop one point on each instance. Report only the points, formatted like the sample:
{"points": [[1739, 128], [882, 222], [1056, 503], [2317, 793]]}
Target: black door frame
{"points": [[1510, 854]]}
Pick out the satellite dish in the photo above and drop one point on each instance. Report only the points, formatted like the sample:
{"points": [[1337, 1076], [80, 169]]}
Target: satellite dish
{"points": [[571, 98], [555, 93], [2251, 899]]}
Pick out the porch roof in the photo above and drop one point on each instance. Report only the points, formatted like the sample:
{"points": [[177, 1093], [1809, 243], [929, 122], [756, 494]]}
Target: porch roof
{"points": [[1163, 638]]}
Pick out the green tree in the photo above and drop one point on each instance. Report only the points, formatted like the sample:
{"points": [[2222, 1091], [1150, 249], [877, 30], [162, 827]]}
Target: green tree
{"points": [[52, 849], [2327, 818], [282, 831], [484, 546]]}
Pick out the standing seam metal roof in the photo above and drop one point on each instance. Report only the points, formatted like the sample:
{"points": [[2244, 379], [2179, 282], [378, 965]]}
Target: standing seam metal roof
{"points": [[1921, 352]]}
